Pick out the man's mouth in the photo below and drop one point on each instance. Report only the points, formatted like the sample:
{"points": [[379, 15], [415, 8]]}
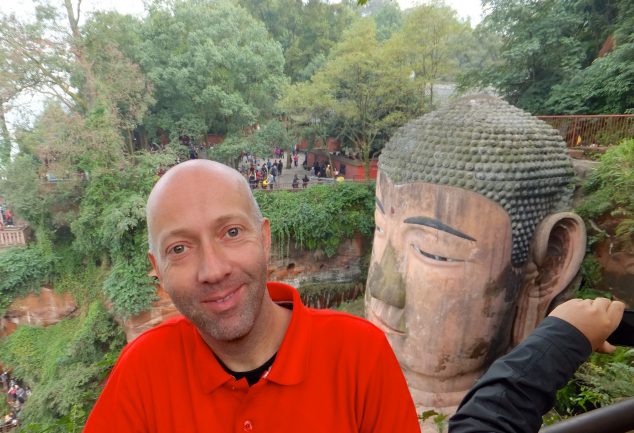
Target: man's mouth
{"points": [[225, 301]]}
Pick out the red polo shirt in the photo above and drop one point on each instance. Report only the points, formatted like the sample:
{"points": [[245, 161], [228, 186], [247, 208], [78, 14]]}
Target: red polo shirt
{"points": [[333, 373]]}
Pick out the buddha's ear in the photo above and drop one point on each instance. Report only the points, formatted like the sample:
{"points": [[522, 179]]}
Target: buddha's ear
{"points": [[556, 253]]}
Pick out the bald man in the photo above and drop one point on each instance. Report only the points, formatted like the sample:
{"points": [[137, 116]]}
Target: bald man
{"points": [[247, 355]]}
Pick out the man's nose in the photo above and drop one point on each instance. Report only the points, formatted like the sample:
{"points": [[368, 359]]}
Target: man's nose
{"points": [[385, 278], [214, 264]]}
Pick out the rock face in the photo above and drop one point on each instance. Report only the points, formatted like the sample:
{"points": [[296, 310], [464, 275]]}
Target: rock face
{"points": [[617, 268], [42, 309], [161, 309], [314, 267]]}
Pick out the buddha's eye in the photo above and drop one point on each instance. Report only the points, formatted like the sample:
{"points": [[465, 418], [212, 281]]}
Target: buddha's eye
{"points": [[434, 256]]}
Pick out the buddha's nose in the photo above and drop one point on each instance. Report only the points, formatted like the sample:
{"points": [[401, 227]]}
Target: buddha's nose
{"points": [[385, 278]]}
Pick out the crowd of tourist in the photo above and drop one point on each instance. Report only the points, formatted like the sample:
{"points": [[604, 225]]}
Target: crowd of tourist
{"points": [[266, 174], [17, 394]]}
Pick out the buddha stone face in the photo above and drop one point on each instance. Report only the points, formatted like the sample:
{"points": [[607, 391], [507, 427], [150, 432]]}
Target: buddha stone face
{"points": [[471, 243], [440, 284]]}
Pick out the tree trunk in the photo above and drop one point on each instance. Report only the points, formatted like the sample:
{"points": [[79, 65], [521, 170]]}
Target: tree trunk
{"points": [[80, 55]]}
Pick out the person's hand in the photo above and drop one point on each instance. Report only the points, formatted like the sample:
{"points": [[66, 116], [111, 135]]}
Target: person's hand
{"points": [[594, 318]]}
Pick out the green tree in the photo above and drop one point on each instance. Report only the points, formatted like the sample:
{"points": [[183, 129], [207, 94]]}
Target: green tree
{"points": [[214, 68], [606, 85], [547, 44], [388, 16], [357, 95], [322, 27], [430, 44]]}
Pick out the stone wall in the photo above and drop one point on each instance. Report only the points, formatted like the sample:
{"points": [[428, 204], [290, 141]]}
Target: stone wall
{"points": [[37, 309]]}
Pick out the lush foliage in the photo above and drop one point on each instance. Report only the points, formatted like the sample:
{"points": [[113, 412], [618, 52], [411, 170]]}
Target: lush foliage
{"points": [[110, 229], [319, 217], [561, 56], [272, 134], [609, 194], [63, 364], [371, 84], [214, 67], [23, 270], [601, 381]]}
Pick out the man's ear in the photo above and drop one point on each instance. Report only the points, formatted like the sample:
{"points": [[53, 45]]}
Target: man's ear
{"points": [[266, 238], [556, 253], [154, 263]]}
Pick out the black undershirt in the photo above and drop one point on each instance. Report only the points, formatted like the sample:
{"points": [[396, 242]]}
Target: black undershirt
{"points": [[252, 376]]}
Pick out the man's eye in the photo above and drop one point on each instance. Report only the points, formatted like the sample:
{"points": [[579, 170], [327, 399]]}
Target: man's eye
{"points": [[233, 232], [177, 249], [379, 229], [434, 256]]}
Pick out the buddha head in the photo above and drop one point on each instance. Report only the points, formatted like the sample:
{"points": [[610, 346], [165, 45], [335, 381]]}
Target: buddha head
{"points": [[473, 243]]}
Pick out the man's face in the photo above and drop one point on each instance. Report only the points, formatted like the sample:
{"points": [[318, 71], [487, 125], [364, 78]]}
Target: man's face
{"points": [[440, 283], [211, 254]]}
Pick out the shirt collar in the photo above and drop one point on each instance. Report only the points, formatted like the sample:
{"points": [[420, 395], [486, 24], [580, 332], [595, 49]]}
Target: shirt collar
{"points": [[291, 363]]}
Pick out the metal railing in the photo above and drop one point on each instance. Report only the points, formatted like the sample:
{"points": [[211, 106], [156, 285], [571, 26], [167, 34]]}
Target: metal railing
{"points": [[617, 418], [592, 130]]}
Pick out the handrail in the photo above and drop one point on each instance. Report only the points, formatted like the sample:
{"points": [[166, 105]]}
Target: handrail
{"points": [[616, 418]]}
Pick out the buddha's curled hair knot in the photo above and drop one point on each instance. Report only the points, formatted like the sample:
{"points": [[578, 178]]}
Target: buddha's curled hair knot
{"points": [[483, 144]]}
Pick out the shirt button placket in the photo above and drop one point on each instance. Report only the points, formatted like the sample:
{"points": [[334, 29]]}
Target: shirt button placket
{"points": [[247, 426]]}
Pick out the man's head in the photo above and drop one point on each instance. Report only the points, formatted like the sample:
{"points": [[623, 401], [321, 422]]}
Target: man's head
{"points": [[467, 256], [209, 246]]}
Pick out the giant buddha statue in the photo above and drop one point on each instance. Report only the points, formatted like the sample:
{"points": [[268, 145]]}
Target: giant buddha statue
{"points": [[473, 241]]}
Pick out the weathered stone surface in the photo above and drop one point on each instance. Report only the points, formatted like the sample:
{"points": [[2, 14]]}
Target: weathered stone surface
{"points": [[483, 144], [618, 271], [303, 266], [161, 310], [37, 309]]}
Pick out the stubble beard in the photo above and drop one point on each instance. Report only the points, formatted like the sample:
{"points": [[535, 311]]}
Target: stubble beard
{"points": [[229, 326]]}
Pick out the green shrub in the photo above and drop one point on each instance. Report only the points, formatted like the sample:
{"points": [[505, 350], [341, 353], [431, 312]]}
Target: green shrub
{"points": [[610, 192], [63, 364], [129, 287], [319, 217], [23, 269], [601, 381]]}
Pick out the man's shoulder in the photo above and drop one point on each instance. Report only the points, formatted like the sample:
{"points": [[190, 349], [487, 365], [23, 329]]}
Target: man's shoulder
{"points": [[158, 338]]}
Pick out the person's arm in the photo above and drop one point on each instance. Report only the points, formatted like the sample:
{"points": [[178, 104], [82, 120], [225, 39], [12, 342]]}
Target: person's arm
{"points": [[520, 387]]}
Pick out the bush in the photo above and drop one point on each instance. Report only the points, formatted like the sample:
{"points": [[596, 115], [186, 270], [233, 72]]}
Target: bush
{"points": [[64, 365], [319, 217], [601, 381], [609, 191], [23, 269]]}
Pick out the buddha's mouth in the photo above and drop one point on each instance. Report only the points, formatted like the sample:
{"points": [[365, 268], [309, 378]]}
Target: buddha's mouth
{"points": [[387, 317]]}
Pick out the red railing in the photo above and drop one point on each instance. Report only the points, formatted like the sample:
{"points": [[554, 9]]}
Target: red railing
{"points": [[592, 130]]}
